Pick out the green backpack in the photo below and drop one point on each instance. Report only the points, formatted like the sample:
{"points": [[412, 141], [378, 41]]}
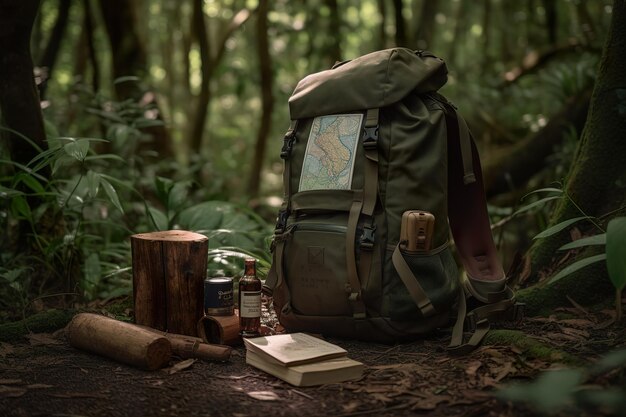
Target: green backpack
{"points": [[371, 143]]}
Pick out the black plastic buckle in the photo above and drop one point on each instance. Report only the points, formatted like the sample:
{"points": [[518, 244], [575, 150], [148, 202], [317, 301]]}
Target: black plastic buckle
{"points": [[370, 139], [368, 238], [281, 221], [288, 141]]}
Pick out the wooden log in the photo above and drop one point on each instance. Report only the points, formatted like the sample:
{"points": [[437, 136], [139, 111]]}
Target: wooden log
{"points": [[223, 330], [194, 347], [123, 342], [169, 269]]}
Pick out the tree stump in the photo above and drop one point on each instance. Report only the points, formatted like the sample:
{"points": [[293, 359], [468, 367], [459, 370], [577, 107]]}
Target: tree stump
{"points": [[169, 269]]}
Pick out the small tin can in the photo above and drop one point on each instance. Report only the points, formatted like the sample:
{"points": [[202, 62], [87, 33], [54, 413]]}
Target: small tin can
{"points": [[218, 296]]}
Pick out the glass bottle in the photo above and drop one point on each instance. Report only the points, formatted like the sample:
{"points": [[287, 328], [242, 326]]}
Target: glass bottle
{"points": [[249, 301]]}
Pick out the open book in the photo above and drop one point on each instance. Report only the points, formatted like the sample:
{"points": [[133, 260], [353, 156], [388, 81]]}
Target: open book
{"points": [[301, 360]]}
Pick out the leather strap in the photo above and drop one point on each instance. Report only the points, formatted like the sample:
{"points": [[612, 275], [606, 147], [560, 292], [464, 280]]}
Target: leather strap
{"points": [[412, 283], [470, 226]]}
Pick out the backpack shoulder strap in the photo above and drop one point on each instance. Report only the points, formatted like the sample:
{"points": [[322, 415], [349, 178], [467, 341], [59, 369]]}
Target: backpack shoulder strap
{"points": [[484, 277]]}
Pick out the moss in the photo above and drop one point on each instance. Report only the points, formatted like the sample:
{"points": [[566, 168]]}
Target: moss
{"points": [[589, 286], [52, 320], [531, 347], [46, 321], [121, 309]]}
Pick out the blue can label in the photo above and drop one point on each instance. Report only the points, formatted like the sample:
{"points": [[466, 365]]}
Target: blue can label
{"points": [[218, 296]]}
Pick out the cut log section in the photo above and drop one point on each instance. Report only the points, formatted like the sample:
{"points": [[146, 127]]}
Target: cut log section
{"points": [[123, 342], [169, 269]]}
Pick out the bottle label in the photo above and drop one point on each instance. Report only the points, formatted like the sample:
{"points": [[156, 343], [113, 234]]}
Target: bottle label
{"points": [[250, 306]]}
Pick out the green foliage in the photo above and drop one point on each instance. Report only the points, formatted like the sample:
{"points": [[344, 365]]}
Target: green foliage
{"points": [[81, 217], [575, 390], [616, 251]]}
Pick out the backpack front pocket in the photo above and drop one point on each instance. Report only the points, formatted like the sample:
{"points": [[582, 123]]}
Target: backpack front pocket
{"points": [[316, 270]]}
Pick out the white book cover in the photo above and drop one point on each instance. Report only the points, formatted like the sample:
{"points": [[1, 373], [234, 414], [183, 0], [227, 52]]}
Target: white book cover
{"points": [[295, 348]]}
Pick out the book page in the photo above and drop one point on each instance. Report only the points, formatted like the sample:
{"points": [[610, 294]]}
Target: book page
{"points": [[294, 348]]}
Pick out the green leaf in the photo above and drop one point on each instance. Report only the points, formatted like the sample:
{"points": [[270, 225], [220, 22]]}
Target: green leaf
{"points": [[126, 78], [586, 241], [544, 190], [536, 204], [616, 251], [93, 273], [30, 182], [93, 183], [576, 266], [144, 123], [163, 186], [20, 206], [610, 361], [112, 194], [77, 149], [551, 391], [558, 227], [159, 219]]}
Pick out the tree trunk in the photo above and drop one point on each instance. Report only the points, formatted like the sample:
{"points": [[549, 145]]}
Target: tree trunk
{"points": [[207, 73], [425, 31], [129, 59], [400, 38], [19, 100], [267, 98], [595, 183], [51, 52], [202, 105], [551, 20], [333, 42], [382, 28], [515, 165], [85, 50]]}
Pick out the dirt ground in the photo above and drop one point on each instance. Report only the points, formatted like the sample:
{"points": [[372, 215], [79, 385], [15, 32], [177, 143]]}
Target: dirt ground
{"points": [[43, 376]]}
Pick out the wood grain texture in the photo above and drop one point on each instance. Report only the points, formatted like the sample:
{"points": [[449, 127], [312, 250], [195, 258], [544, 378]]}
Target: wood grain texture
{"points": [[169, 269], [123, 342]]}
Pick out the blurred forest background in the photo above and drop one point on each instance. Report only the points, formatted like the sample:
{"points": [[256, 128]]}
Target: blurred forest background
{"points": [[163, 114]]}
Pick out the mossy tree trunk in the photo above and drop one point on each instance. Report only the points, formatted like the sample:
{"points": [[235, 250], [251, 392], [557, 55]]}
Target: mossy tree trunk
{"points": [[595, 185]]}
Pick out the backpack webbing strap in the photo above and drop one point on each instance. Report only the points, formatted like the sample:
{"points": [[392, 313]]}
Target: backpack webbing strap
{"points": [[285, 154], [274, 276], [370, 146], [412, 284], [353, 286]]}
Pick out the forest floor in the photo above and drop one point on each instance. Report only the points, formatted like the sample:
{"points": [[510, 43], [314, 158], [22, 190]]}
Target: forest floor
{"points": [[41, 375]]}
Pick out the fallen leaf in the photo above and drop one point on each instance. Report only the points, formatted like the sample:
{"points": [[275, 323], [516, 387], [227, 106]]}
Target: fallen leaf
{"points": [[504, 371], [576, 332], [472, 367], [579, 323], [351, 407], [264, 395], [179, 366]]}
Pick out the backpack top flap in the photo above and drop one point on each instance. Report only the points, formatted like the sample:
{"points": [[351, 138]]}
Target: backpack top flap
{"points": [[375, 80]]}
